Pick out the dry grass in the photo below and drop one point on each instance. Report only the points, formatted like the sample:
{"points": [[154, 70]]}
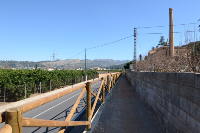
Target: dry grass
{"points": [[179, 63]]}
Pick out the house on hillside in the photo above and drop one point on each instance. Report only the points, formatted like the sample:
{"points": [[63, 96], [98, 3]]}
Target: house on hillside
{"points": [[96, 68], [163, 51]]}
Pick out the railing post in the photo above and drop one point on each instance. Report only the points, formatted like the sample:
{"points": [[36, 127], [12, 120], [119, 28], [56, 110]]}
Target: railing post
{"points": [[25, 91], [13, 117], [103, 90], [65, 82], [4, 95], [88, 106], [108, 81], [111, 81], [114, 79], [82, 78]]}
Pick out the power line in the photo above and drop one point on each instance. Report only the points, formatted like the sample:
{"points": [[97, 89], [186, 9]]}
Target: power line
{"points": [[103, 45], [121, 40], [138, 34], [77, 54], [165, 25], [140, 46], [111, 42], [163, 33]]}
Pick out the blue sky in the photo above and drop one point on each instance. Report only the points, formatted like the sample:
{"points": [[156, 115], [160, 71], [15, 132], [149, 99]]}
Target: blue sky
{"points": [[30, 30]]}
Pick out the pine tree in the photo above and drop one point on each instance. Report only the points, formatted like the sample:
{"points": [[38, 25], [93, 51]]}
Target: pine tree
{"points": [[162, 41]]}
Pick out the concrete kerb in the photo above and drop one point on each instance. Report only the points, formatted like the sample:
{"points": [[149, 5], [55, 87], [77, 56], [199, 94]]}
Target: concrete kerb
{"points": [[98, 113], [28, 100]]}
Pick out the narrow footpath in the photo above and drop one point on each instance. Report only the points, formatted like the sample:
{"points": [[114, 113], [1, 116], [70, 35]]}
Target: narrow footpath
{"points": [[125, 112]]}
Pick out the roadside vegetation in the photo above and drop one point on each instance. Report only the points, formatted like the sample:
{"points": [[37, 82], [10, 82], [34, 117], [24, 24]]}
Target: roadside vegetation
{"points": [[15, 81]]}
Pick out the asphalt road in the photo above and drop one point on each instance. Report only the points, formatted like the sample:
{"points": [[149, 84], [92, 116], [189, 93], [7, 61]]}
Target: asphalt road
{"points": [[57, 109]]}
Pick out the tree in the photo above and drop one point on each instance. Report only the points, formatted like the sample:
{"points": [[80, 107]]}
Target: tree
{"points": [[162, 41], [36, 66], [127, 65], [152, 48]]}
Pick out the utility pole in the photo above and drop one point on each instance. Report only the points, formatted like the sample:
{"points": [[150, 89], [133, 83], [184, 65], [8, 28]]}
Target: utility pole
{"points": [[85, 63], [171, 33], [53, 57], [194, 41], [135, 44], [194, 46]]}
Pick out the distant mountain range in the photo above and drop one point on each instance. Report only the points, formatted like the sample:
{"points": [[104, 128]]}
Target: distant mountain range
{"points": [[66, 64]]}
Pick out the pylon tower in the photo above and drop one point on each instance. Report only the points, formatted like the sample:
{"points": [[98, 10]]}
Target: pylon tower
{"points": [[135, 48]]}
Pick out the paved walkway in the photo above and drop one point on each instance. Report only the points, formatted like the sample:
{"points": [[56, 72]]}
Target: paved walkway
{"points": [[124, 112]]}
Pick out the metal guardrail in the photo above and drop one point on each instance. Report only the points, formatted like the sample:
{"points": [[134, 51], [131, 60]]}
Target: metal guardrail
{"points": [[14, 120]]}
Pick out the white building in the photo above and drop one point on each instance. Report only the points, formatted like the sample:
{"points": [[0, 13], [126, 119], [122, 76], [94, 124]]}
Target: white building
{"points": [[49, 69], [167, 43]]}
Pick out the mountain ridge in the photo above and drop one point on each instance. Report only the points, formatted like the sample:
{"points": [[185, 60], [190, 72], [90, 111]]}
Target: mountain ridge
{"points": [[64, 64]]}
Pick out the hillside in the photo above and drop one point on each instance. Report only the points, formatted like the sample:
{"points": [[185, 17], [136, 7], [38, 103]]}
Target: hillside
{"points": [[66, 64], [121, 66], [191, 44]]}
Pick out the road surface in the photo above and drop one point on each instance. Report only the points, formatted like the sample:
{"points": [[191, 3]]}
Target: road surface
{"points": [[57, 109]]}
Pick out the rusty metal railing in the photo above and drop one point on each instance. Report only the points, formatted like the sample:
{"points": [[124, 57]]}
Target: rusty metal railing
{"points": [[14, 117]]}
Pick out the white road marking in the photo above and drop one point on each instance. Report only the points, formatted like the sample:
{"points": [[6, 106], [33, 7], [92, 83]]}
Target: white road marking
{"points": [[56, 105]]}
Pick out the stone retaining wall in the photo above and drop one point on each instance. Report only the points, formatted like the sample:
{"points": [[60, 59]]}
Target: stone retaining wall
{"points": [[174, 98]]}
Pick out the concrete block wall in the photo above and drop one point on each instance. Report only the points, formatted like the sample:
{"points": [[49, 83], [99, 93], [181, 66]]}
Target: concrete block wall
{"points": [[174, 98]]}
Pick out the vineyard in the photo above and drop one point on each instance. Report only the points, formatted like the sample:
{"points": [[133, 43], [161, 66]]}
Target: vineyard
{"points": [[20, 84]]}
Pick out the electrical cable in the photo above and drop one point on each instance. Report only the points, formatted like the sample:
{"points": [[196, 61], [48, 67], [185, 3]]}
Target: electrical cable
{"points": [[138, 34], [111, 42], [166, 25]]}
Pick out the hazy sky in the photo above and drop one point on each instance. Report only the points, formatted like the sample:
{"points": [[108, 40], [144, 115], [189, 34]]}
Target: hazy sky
{"points": [[30, 30]]}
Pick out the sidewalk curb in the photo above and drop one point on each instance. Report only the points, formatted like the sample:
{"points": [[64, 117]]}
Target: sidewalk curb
{"points": [[98, 113]]}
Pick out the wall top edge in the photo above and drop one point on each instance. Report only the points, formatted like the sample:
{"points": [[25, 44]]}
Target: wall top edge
{"points": [[164, 72]]}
